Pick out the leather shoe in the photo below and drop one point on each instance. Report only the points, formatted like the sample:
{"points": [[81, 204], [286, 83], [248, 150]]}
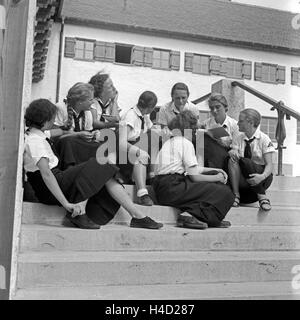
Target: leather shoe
{"points": [[223, 224], [83, 222], [190, 222], [146, 223]]}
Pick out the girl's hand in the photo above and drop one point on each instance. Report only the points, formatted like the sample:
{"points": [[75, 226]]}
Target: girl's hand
{"points": [[255, 179], [234, 155], [86, 135], [224, 174], [221, 178]]}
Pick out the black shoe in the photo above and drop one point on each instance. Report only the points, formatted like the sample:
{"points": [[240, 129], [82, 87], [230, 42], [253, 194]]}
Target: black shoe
{"points": [[83, 222], [190, 222], [146, 223], [223, 224]]}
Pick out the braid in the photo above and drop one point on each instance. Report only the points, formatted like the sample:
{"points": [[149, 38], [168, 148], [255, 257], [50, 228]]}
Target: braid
{"points": [[69, 122]]}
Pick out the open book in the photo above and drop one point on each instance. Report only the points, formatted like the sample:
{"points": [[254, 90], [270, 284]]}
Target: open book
{"points": [[218, 132]]}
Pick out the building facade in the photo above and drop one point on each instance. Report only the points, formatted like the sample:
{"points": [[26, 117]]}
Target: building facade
{"points": [[150, 45]]}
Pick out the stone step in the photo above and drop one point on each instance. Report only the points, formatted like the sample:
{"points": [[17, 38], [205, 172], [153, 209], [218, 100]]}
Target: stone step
{"points": [[285, 183], [67, 268], [272, 290], [170, 238], [279, 215]]}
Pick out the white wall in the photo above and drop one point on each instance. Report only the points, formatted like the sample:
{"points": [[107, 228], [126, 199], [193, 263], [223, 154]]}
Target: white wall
{"points": [[286, 5], [131, 81]]}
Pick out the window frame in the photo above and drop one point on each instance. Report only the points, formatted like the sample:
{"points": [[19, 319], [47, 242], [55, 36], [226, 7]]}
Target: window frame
{"points": [[161, 51], [273, 139], [131, 46], [201, 56], [84, 49]]}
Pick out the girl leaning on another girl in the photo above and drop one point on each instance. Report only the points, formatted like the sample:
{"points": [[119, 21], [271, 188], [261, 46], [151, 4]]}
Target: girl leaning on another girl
{"points": [[88, 191]]}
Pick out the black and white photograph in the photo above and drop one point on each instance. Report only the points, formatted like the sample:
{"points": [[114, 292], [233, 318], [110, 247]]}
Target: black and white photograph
{"points": [[149, 153]]}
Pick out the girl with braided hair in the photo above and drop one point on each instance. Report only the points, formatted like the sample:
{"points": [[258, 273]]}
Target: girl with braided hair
{"points": [[105, 109]]}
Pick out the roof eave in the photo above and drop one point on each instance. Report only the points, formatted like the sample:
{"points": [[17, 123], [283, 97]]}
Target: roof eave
{"points": [[182, 35]]}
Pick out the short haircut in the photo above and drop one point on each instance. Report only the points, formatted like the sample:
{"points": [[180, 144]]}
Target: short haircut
{"points": [[147, 99], [180, 86], [219, 98], [97, 81], [252, 115], [39, 112], [184, 120], [80, 91]]}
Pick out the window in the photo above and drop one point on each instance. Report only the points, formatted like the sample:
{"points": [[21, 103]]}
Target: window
{"points": [[215, 65], [269, 73], [268, 126], [84, 49], [123, 54], [201, 64], [298, 132], [161, 59], [295, 76]]}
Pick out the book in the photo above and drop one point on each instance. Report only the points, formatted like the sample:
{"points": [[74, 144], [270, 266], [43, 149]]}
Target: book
{"points": [[218, 132]]}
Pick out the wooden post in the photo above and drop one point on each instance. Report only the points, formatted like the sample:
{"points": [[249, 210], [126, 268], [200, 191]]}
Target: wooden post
{"points": [[14, 44]]}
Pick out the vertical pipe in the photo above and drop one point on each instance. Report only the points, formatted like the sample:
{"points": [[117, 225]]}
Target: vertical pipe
{"points": [[61, 39]]}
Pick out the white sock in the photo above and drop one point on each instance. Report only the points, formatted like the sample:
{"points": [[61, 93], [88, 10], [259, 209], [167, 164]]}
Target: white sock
{"points": [[141, 192]]}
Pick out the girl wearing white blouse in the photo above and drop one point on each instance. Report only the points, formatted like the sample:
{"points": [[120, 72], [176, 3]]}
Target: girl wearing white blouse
{"points": [[200, 193], [250, 164], [88, 191]]}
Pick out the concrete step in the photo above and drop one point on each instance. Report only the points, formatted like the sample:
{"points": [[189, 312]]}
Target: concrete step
{"points": [[285, 183], [280, 215], [170, 238], [67, 268], [289, 197], [272, 290]]}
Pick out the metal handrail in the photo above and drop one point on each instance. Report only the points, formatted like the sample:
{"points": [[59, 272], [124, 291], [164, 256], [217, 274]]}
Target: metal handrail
{"points": [[282, 110], [201, 99]]}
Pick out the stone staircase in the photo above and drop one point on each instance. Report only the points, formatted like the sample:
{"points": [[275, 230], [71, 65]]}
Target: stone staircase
{"points": [[251, 260]]}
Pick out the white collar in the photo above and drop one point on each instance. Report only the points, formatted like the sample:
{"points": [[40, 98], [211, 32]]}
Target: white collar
{"points": [[137, 111], [256, 135], [37, 132]]}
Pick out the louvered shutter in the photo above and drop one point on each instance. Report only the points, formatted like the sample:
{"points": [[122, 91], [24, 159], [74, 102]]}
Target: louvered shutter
{"points": [[137, 56], [188, 61], [110, 49], [175, 60], [223, 67], [99, 51], [280, 74], [258, 71], [215, 65], [70, 47], [148, 57], [295, 76], [247, 69]]}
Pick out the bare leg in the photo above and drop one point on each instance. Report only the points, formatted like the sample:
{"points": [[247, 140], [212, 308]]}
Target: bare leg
{"points": [[120, 195], [139, 177], [234, 172]]}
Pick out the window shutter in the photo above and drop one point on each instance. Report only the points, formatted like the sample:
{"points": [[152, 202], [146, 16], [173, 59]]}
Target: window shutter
{"points": [[175, 60], [295, 76], [223, 67], [258, 71], [215, 65], [99, 51], [137, 56], [70, 47], [280, 74], [110, 49], [148, 57], [247, 70], [188, 61]]}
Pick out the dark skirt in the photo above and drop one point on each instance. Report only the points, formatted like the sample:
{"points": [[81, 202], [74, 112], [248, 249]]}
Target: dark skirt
{"points": [[249, 194], [72, 150], [78, 183], [209, 202]]}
